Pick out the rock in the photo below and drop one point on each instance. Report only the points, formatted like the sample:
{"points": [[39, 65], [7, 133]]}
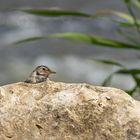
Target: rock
{"points": [[60, 111]]}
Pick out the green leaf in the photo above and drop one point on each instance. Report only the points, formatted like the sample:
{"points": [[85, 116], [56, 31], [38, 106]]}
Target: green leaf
{"points": [[137, 3], [128, 24], [129, 71], [129, 20], [55, 12], [90, 39], [30, 39], [125, 16], [109, 62], [127, 1], [94, 40]]}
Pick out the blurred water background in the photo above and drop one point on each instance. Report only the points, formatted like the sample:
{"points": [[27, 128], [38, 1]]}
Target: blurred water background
{"points": [[71, 60]]}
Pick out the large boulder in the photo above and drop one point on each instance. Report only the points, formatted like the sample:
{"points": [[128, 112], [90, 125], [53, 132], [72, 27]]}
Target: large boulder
{"points": [[60, 111]]}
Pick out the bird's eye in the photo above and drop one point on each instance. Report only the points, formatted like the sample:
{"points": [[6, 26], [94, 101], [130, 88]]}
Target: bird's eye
{"points": [[43, 68]]}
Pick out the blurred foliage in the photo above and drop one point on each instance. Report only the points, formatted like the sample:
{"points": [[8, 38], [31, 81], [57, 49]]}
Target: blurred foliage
{"points": [[124, 20], [55, 12], [134, 73]]}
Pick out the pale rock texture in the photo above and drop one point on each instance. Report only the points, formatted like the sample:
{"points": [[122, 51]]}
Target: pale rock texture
{"points": [[60, 111]]}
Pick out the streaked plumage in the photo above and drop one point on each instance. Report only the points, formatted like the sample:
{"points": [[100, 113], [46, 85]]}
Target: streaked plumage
{"points": [[39, 74]]}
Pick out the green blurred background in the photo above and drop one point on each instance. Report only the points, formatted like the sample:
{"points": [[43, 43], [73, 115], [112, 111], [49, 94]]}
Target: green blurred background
{"points": [[72, 60]]}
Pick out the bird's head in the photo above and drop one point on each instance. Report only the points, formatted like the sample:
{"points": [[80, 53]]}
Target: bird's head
{"points": [[44, 71]]}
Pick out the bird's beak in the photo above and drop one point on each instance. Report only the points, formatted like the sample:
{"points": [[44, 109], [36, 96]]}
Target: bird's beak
{"points": [[53, 72]]}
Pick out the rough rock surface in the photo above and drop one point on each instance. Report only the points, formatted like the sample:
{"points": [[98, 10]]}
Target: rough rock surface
{"points": [[60, 111]]}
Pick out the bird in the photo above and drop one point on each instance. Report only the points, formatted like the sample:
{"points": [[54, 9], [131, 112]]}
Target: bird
{"points": [[39, 74]]}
